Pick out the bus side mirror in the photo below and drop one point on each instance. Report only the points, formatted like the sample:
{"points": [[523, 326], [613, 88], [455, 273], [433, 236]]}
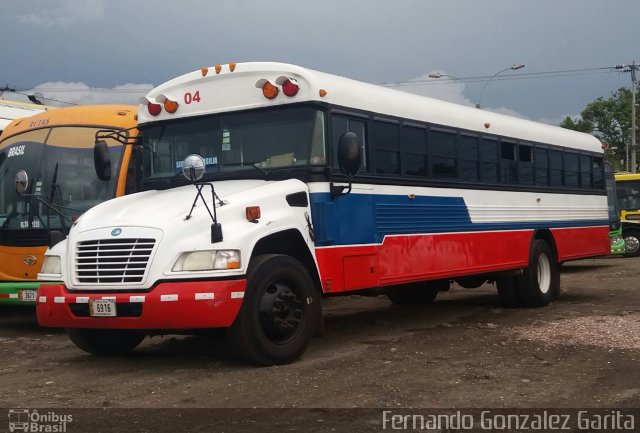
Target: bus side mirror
{"points": [[349, 156], [101, 160]]}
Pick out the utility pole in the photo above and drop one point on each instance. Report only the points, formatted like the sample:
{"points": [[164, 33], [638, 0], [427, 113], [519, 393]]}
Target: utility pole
{"points": [[634, 88]]}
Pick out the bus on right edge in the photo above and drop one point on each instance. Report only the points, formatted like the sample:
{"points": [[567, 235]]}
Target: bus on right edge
{"points": [[628, 191]]}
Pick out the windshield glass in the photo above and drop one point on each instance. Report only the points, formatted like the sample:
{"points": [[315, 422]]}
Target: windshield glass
{"points": [[240, 141], [59, 163], [628, 194]]}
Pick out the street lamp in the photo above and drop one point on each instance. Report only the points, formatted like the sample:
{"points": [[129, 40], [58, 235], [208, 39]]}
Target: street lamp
{"points": [[512, 68], [437, 75]]}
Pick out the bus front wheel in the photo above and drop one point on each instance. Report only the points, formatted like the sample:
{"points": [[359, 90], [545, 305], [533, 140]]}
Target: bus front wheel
{"points": [[105, 342], [631, 242], [279, 313]]}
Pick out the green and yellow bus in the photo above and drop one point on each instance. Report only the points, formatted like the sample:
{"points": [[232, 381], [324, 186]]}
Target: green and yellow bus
{"points": [[615, 225], [49, 158], [628, 191]]}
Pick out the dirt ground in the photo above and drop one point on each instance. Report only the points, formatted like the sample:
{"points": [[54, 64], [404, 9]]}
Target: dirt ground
{"points": [[465, 350]]}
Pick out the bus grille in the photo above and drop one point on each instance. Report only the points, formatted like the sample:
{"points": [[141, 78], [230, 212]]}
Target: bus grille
{"points": [[112, 261]]}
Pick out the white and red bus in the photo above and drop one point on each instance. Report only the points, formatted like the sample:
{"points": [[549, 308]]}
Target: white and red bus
{"points": [[299, 183]]}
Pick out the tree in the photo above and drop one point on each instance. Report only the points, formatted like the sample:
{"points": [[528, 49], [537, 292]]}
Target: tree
{"points": [[610, 120]]}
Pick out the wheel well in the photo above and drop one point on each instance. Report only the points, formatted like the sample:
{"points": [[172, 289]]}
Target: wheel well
{"points": [[547, 236], [289, 243]]}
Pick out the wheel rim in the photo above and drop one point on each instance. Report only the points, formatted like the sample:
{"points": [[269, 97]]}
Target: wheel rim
{"points": [[544, 273], [631, 244], [281, 312]]}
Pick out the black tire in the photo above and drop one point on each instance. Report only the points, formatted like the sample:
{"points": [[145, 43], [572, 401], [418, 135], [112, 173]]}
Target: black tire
{"points": [[509, 291], [416, 293], [540, 282], [279, 313], [631, 242], [105, 342]]}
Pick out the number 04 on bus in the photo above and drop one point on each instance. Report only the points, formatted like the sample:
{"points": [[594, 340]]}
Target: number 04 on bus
{"points": [[267, 185]]}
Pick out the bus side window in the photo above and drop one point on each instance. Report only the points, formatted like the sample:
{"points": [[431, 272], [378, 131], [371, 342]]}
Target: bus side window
{"points": [[598, 173], [339, 126]]}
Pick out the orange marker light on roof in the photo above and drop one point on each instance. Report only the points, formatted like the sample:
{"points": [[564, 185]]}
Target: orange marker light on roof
{"points": [[323, 93], [218, 68], [269, 90], [232, 66], [170, 106], [204, 71]]}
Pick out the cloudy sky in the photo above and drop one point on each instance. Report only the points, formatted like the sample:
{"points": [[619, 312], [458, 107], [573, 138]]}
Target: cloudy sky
{"points": [[93, 51]]}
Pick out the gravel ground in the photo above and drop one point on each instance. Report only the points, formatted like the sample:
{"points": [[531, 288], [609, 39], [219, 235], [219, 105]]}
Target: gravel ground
{"points": [[464, 351], [621, 331]]}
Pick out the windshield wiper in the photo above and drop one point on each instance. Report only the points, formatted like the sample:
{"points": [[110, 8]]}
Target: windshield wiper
{"points": [[255, 165]]}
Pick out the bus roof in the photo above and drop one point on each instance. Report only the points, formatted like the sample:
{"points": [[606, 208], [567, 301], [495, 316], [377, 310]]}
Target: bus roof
{"points": [[108, 116], [10, 110], [237, 86]]}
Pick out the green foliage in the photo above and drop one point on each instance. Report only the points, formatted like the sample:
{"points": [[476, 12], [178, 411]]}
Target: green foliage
{"points": [[610, 120]]}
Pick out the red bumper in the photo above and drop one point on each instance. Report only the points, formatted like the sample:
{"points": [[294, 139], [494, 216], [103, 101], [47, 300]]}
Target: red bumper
{"points": [[179, 305]]}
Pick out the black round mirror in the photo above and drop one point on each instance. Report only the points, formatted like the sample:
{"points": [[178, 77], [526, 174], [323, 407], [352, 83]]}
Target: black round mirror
{"points": [[193, 167], [349, 153], [22, 182]]}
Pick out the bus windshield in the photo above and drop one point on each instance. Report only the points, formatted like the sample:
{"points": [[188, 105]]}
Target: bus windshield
{"points": [[628, 194], [59, 163], [236, 142]]}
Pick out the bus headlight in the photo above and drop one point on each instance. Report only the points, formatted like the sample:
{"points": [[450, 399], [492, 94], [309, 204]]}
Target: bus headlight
{"points": [[52, 267], [207, 260]]}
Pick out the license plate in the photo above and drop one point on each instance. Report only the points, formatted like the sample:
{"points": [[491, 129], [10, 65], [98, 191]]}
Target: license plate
{"points": [[102, 307], [27, 295]]}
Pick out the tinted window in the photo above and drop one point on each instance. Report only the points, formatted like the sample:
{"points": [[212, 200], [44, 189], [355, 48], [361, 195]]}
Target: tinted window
{"points": [[414, 151], [443, 151], [468, 157], [541, 163], [525, 164], [508, 163], [571, 169], [386, 147], [343, 124], [555, 166], [489, 160]]}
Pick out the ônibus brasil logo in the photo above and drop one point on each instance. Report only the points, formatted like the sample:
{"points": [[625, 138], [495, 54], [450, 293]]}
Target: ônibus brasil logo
{"points": [[26, 420]]}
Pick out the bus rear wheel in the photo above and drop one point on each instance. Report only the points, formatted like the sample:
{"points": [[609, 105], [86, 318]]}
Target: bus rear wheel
{"points": [[279, 313], [631, 242], [105, 342], [540, 282]]}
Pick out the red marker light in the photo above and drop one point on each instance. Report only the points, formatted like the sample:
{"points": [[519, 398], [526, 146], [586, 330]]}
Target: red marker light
{"points": [[290, 87], [154, 109]]}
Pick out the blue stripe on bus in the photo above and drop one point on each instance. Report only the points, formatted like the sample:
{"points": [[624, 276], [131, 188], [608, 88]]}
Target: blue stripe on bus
{"points": [[367, 218]]}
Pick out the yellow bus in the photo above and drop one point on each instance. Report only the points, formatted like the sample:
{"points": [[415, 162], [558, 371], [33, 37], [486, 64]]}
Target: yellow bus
{"points": [[628, 191], [48, 179]]}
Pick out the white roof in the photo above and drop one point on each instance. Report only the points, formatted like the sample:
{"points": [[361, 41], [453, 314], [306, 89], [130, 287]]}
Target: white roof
{"points": [[10, 110], [235, 90]]}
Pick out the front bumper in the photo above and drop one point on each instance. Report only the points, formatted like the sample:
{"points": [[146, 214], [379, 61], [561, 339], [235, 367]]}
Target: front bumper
{"points": [[11, 291], [168, 306]]}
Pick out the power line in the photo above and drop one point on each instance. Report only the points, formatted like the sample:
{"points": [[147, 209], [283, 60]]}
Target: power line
{"points": [[507, 77]]}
